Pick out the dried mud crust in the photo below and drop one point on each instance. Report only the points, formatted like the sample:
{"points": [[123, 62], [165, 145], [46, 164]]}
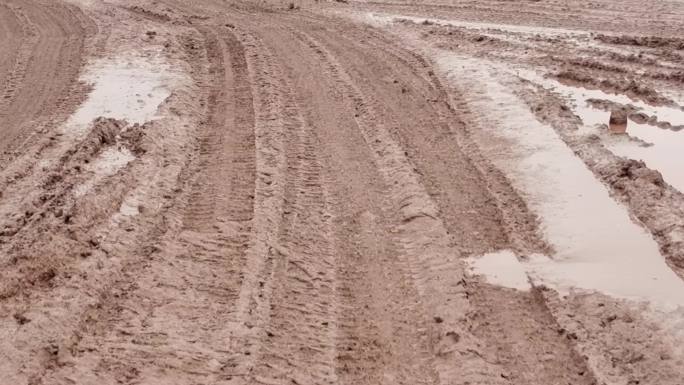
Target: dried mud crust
{"points": [[299, 213]]}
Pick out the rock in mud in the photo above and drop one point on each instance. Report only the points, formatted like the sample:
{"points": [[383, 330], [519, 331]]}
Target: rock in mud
{"points": [[618, 121]]}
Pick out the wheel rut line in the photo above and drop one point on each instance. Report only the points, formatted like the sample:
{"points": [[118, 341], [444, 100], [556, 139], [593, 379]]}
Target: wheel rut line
{"points": [[512, 207], [306, 290], [289, 270], [253, 305], [173, 279]]}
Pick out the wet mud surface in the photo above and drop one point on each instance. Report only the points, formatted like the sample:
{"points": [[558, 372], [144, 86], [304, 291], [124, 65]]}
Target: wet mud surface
{"points": [[213, 192]]}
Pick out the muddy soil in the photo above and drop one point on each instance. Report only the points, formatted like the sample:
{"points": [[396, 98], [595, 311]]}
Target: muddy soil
{"points": [[238, 192]]}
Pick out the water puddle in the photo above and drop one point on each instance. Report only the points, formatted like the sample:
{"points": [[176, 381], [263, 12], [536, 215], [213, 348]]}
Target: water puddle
{"points": [[597, 246], [130, 88], [579, 97], [501, 268], [664, 152], [665, 146]]}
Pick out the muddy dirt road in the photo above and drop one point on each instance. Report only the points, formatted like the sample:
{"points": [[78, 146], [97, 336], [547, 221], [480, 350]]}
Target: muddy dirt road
{"points": [[228, 192]]}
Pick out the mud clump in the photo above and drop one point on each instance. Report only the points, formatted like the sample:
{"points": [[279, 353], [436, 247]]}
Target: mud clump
{"points": [[639, 117], [150, 14], [105, 131], [134, 138], [591, 64], [570, 75], [677, 76], [618, 121], [634, 114], [643, 41], [635, 170]]}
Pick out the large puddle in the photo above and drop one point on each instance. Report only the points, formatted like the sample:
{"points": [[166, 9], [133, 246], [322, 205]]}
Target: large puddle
{"points": [[597, 246], [129, 88]]}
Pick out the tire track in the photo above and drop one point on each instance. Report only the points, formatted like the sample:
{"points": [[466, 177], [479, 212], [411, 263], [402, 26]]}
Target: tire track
{"points": [[290, 284], [165, 317], [300, 344], [10, 38], [436, 150], [421, 238], [45, 68]]}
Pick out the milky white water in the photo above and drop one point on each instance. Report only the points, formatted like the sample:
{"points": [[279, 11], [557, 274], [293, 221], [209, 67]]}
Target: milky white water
{"points": [[597, 246], [666, 154], [665, 146], [130, 88], [501, 268], [579, 96]]}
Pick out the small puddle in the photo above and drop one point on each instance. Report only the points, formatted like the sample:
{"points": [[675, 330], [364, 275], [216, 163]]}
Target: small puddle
{"points": [[664, 155], [597, 246], [501, 268], [129, 88]]}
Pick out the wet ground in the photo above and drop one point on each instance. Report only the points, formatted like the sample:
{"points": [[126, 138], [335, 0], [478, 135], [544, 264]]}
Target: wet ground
{"points": [[596, 246], [212, 192]]}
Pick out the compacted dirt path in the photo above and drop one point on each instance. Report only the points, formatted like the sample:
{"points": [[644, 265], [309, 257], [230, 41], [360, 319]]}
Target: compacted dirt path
{"points": [[300, 207]]}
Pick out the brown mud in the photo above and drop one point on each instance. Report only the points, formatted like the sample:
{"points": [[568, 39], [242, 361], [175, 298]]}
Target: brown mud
{"points": [[301, 205]]}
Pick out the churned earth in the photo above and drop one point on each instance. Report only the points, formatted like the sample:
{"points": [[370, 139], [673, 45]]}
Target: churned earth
{"points": [[309, 192]]}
